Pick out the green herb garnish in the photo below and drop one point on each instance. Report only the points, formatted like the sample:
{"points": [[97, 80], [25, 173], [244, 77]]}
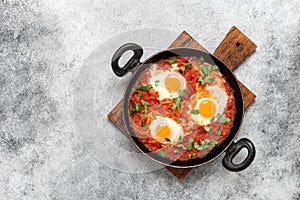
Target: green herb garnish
{"points": [[212, 119], [218, 132], [182, 69], [206, 128], [215, 68], [214, 142], [200, 61], [189, 65], [136, 107], [180, 138], [143, 87], [139, 94], [161, 153], [201, 80], [197, 146], [179, 120], [177, 100], [227, 119], [174, 107], [176, 151], [181, 146], [204, 144], [144, 103], [156, 83], [181, 92], [195, 112], [205, 80], [222, 119], [190, 144], [143, 124], [208, 80], [167, 139], [192, 155], [204, 69], [171, 61]]}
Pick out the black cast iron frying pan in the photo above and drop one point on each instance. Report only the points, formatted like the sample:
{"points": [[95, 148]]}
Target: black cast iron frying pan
{"points": [[230, 147]]}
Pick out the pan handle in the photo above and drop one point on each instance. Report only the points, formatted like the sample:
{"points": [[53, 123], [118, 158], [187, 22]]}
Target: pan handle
{"points": [[133, 62], [233, 150]]}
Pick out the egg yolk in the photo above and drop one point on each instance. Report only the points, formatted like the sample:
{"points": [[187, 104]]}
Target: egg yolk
{"points": [[163, 131], [207, 108], [172, 83]]}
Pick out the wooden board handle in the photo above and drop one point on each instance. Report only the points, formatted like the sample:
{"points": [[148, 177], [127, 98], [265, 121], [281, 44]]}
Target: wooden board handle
{"points": [[234, 48]]}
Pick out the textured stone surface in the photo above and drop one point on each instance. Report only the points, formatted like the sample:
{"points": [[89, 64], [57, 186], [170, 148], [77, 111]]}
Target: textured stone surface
{"points": [[43, 45]]}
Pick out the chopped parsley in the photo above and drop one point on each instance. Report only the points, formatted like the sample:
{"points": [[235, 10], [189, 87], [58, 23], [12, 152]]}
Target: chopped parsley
{"points": [[204, 143], [192, 155], [176, 151], [136, 107], [206, 128], [195, 112], [190, 144], [177, 100], [139, 94], [145, 112], [182, 69], [227, 119], [167, 139], [181, 92], [181, 146], [171, 61], [143, 87], [222, 119], [218, 132], [143, 124], [144, 103], [200, 61], [215, 68], [156, 83], [205, 80], [180, 138], [204, 70], [189, 65], [161, 153], [179, 120], [174, 107], [214, 142], [201, 80], [197, 146], [212, 119]]}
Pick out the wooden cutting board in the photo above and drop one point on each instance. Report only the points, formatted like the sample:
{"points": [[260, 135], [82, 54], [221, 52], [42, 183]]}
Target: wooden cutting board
{"points": [[234, 48]]}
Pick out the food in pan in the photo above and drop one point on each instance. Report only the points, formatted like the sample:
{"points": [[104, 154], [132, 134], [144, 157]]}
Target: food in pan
{"points": [[181, 107]]}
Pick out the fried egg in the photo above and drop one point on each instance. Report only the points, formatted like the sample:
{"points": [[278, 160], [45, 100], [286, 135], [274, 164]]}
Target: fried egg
{"points": [[165, 129], [207, 103], [167, 83]]}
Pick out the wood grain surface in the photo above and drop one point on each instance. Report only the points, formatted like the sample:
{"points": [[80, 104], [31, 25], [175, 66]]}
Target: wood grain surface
{"points": [[234, 48]]}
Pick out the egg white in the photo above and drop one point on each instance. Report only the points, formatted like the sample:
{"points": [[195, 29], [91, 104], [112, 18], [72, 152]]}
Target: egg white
{"points": [[175, 129], [157, 81], [218, 96]]}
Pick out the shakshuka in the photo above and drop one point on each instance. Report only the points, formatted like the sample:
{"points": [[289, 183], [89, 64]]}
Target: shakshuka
{"points": [[181, 107]]}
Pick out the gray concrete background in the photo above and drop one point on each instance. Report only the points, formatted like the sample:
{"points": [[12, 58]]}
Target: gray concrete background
{"points": [[43, 47]]}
